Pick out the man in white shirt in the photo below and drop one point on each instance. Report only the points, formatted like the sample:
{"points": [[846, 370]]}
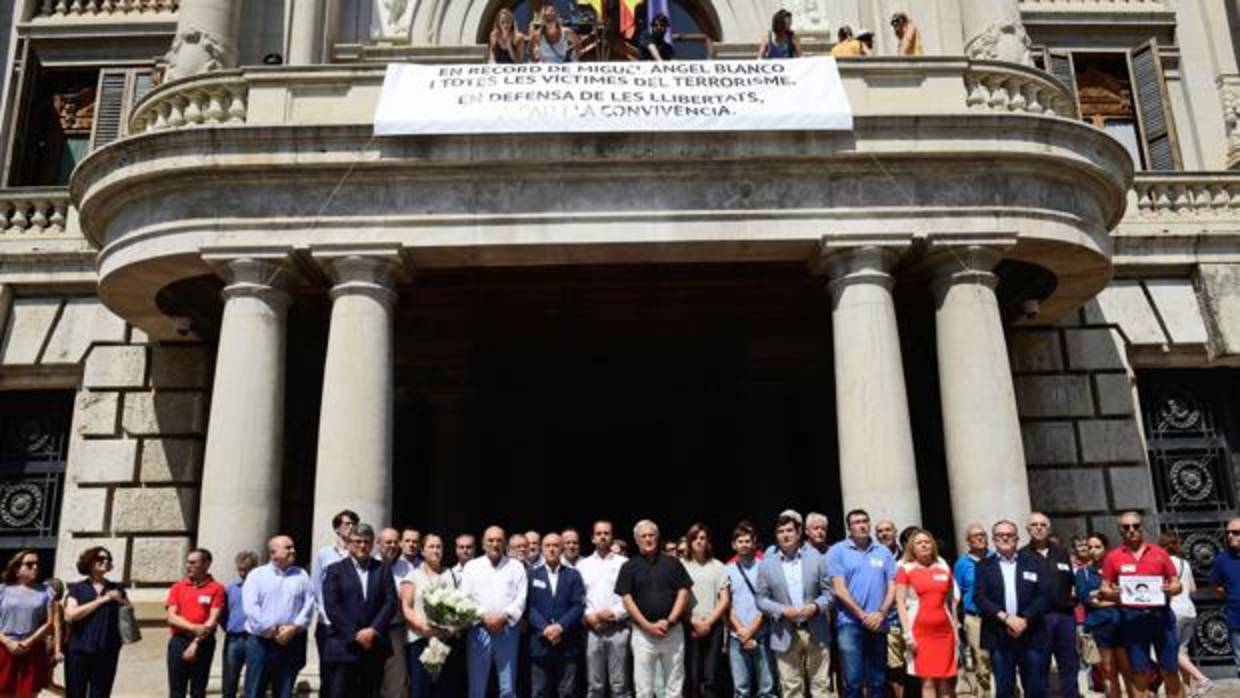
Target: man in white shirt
{"points": [[607, 638], [497, 583]]}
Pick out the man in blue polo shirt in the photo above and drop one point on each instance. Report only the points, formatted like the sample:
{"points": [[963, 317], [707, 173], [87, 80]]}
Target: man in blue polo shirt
{"points": [[1225, 576], [965, 573], [863, 573]]}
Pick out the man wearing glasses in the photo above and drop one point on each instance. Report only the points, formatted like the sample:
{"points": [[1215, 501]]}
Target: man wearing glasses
{"points": [[1143, 623], [965, 572], [1011, 595], [1060, 618], [1225, 576]]}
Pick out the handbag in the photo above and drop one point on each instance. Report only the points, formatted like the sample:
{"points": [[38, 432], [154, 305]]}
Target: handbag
{"points": [[128, 625], [1088, 648]]}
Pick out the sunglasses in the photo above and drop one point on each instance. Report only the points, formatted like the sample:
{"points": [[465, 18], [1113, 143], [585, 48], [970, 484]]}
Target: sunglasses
{"points": [[33, 563], [1233, 533], [1130, 527], [104, 559]]}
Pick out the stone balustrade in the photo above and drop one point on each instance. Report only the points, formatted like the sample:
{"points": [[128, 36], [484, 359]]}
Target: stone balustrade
{"points": [[105, 8], [1003, 87], [33, 212], [204, 100], [1186, 195], [1092, 4], [347, 95]]}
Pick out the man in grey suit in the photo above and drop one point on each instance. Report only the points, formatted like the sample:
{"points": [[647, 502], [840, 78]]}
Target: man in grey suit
{"points": [[794, 592]]}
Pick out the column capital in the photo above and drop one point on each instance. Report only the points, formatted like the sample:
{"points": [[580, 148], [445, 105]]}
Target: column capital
{"points": [[368, 271], [262, 273], [859, 264], [951, 265]]}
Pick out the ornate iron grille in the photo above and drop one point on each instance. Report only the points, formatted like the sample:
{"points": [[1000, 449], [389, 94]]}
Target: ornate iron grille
{"points": [[1191, 432], [34, 435]]}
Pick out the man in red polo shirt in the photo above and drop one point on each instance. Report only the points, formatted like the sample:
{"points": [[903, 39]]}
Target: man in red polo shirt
{"points": [[1142, 578], [194, 606]]}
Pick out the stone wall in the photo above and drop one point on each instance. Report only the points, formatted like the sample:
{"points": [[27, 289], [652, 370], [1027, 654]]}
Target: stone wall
{"points": [[135, 458], [1081, 423]]}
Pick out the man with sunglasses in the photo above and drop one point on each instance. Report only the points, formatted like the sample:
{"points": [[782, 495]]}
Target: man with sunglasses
{"points": [[1141, 625], [1225, 576]]}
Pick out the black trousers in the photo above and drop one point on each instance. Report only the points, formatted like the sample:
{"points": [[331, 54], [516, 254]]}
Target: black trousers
{"points": [[553, 676], [360, 679], [90, 674], [702, 657], [192, 674]]}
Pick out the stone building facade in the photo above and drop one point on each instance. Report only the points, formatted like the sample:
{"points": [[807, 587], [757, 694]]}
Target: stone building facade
{"points": [[228, 309]]}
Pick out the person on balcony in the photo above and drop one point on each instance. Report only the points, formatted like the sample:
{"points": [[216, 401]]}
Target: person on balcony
{"points": [[658, 45], [553, 42], [507, 42], [781, 41], [908, 34], [849, 46]]}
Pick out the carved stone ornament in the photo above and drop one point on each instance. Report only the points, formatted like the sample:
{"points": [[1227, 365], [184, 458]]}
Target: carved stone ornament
{"points": [[194, 52], [1002, 41], [391, 20]]}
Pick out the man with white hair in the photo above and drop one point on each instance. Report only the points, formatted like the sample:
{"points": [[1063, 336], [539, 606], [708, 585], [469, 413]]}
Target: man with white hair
{"points": [[655, 592], [816, 531]]}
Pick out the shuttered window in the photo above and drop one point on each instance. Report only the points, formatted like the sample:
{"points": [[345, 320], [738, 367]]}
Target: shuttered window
{"points": [[119, 90], [1059, 64], [1153, 110]]}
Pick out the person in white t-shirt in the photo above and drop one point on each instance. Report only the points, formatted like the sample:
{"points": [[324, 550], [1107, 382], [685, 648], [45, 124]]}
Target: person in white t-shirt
{"points": [[1195, 682]]}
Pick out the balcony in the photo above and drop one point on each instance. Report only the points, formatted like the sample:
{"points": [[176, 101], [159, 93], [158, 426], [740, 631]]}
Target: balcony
{"points": [[1180, 219], [944, 151]]}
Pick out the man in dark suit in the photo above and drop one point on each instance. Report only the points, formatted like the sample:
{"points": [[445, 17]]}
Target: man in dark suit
{"points": [[555, 606], [1011, 594], [359, 600]]}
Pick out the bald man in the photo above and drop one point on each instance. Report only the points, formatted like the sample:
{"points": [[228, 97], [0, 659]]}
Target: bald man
{"points": [[278, 600], [498, 584]]}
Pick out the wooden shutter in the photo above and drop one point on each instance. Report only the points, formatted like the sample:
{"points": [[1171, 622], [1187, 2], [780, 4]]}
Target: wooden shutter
{"points": [[1059, 64], [22, 111], [109, 107], [1158, 138]]}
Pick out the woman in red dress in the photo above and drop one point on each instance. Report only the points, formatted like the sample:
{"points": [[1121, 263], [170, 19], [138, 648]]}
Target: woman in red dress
{"points": [[926, 598]]}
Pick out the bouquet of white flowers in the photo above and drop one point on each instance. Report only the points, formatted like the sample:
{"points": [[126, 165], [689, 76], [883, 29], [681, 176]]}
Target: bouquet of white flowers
{"points": [[450, 611]]}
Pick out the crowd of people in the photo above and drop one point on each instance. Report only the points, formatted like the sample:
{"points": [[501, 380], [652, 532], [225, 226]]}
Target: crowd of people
{"points": [[550, 41], [873, 614]]}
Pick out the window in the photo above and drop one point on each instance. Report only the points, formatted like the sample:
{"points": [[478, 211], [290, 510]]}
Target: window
{"points": [[67, 112], [1124, 94]]}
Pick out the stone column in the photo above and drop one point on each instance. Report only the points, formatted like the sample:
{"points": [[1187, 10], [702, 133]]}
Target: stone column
{"points": [[308, 32], [240, 500], [206, 37], [993, 30], [985, 454], [878, 471], [354, 467]]}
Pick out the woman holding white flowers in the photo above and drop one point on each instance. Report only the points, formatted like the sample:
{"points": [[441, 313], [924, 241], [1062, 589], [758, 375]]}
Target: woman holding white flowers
{"points": [[423, 579]]}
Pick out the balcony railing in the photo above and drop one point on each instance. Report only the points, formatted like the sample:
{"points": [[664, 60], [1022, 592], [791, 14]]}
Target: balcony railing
{"points": [[116, 9], [1195, 197], [34, 212], [329, 95]]}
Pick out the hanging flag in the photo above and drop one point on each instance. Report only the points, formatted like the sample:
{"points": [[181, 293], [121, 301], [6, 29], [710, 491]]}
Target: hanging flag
{"points": [[596, 5], [628, 18]]}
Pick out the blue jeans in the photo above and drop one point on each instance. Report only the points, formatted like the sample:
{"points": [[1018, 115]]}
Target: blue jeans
{"points": [[1061, 627], [1234, 636], [270, 664], [484, 650], [1023, 657], [234, 662], [750, 668], [864, 656]]}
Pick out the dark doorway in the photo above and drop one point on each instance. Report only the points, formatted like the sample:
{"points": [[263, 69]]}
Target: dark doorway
{"points": [[543, 398]]}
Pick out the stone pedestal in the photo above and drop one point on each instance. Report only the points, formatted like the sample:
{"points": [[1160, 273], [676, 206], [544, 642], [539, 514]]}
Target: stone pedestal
{"points": [[206, 37], [993, 30], [878, 471], [985, 454], [240, 502], [354, 467]]}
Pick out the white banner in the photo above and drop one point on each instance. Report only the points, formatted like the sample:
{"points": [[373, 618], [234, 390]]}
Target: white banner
{"points": [[796, 94]]}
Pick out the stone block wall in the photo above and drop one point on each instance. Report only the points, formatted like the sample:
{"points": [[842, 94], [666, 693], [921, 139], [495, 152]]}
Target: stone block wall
{"points": [[1081, 423], [135, 459]]}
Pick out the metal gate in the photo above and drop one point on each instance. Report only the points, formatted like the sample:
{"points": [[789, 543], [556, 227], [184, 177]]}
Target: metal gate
{"points": [[34, 440], [1192, 429]]}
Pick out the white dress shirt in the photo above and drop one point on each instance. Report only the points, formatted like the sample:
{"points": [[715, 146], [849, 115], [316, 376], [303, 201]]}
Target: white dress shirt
{"points": [[497, 588], [599, 575], [553, 578], [1008, 568], [362, 574]]}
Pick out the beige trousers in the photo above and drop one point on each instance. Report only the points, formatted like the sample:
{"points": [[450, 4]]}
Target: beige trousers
{"points": [[804, 657]]}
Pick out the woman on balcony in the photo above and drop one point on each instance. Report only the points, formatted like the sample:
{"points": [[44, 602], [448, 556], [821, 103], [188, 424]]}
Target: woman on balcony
{"points": [[780, 42], [507, 43]]}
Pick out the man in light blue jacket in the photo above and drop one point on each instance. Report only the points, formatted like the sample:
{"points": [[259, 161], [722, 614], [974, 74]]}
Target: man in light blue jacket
{"points": [[794, 593]]}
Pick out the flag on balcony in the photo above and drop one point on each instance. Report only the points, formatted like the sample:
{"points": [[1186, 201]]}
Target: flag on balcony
{"points": [[628, 18], [596, 5]]}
